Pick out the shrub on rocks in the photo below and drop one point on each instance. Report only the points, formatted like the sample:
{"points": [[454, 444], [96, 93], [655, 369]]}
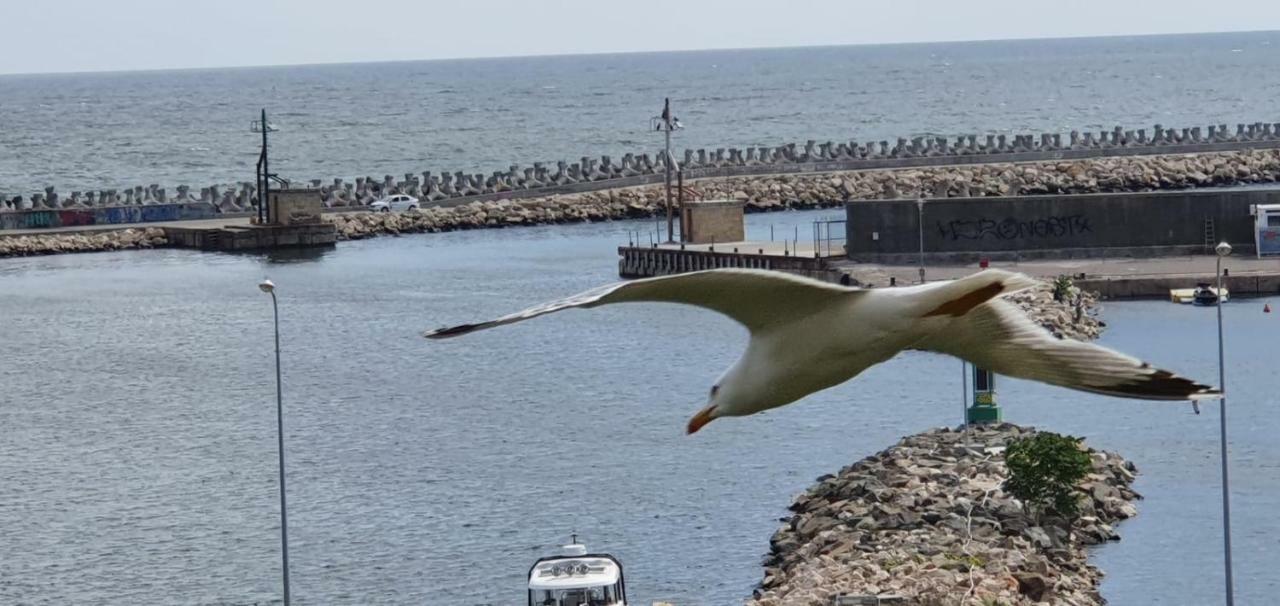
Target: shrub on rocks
{"points": [[1045, 470]]}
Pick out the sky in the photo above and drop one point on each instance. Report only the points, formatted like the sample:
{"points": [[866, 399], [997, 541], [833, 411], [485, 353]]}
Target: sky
{"points": [[107, 35]]}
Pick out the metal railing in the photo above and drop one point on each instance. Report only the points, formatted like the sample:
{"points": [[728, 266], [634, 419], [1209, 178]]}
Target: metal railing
{"points": [[826, 242]]}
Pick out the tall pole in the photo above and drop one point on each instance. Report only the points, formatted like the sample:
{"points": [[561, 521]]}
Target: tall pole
{"points": [[666, 127], [920, 223], [680, 199], [284, 519], [266, 185], [1222, 424]]}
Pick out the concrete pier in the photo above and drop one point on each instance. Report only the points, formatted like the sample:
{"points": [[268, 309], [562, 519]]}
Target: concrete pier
{"points": [[242, 237], [1111, 278], [667, 259]]}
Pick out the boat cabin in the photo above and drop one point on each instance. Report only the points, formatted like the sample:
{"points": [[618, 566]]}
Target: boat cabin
{"points": [[577, 578]]}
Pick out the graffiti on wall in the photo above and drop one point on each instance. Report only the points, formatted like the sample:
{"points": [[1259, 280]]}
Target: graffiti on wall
{"points": [[37, 219], [1010, 228]]}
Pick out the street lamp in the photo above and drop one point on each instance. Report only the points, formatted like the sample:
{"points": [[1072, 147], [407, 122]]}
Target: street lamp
{"points": [[920, 225], [1223, 249], [269, 287]]}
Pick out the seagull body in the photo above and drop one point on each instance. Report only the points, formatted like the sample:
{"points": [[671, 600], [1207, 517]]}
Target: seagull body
{"points": [[808, 335]]}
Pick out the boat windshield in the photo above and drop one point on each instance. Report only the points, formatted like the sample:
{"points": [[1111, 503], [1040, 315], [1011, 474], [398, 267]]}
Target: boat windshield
{"points": [[608, 595]]}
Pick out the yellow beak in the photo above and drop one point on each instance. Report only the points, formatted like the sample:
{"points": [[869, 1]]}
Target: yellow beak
{"points": [[703, 417]]}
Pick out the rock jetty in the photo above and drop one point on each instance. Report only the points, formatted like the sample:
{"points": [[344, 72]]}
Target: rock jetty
{"points": [[928, 520], [55, 243], [809, 191]]}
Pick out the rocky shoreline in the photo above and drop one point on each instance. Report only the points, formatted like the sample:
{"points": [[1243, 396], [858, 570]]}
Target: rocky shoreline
{"points": [[72, 242], [928, 520]]}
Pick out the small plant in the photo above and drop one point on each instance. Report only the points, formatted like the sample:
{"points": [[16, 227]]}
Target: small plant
{"points": [[1062, 286], [1044, 470]]}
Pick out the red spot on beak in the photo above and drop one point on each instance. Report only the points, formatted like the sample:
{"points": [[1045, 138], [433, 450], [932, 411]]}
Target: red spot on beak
{"points": [[704, 416]]}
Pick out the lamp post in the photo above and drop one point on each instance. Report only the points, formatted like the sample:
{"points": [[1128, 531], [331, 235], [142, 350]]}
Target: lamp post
{"points": [[269, 287], [920, 224], [1223, 249], [666, 123]]}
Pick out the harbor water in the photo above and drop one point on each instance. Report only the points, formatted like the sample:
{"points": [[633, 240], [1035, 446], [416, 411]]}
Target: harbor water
{"points": [[138, 459]]}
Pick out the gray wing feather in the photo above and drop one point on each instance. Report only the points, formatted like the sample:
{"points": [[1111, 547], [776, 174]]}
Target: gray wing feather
{"points": [[755, 298], [999, 337]]}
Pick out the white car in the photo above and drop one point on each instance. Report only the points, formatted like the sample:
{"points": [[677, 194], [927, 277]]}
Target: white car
{"points": [[398, 202]]}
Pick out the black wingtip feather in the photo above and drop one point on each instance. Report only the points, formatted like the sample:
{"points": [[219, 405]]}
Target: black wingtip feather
{"points": [[452, 331], [1164, 385]]}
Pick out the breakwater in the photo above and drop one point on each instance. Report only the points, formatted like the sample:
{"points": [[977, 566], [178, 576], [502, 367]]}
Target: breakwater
{"points": [[807, 191], [634, 169], [820, 190], [928, 520], [57, 243]]}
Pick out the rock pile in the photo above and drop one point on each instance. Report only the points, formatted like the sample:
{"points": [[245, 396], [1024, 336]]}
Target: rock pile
{"points": [[808, 191], [55, 243], [1075, 317], [928, 520]]}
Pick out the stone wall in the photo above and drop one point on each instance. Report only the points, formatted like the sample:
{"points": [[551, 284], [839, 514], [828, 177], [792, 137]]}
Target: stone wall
{"points": [[633, 169]]}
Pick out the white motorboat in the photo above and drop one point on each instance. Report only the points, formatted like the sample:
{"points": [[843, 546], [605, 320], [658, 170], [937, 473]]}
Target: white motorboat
{"points": [[577, 578], [1203, 295]]}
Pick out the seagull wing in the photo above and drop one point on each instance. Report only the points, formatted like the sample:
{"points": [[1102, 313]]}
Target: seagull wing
{"points": [[1001, 338], [755, 298]]}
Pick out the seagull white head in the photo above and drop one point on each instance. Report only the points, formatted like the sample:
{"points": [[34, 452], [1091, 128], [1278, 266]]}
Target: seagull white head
{"points": [[708, 412], [267, 286], [743, 390]]}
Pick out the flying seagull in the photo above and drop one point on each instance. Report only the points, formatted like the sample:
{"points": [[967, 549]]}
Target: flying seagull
{"points": [[808, 335]]}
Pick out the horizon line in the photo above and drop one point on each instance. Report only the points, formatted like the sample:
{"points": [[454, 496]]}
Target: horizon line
{"points": [[630, 52]]}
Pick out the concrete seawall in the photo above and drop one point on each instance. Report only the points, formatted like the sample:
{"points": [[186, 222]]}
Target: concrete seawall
{"points": [[592, 174], [961, 230]]}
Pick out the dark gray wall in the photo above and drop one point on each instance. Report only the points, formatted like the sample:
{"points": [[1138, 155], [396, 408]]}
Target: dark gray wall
{"points": [[960, 229]]}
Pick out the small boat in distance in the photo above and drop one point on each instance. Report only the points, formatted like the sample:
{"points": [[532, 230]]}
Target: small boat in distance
{"points": [[1202, 295], [577, 578]]}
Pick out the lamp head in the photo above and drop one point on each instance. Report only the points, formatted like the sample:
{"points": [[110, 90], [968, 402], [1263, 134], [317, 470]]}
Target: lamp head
{"points": [[267, 286], [1223, 249]]}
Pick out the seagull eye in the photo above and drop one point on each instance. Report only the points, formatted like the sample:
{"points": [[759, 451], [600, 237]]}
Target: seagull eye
{"points": [[714, 390]]}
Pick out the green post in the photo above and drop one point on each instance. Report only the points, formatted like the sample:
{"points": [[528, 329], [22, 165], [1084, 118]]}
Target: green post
{"points": [[984, 408]]}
